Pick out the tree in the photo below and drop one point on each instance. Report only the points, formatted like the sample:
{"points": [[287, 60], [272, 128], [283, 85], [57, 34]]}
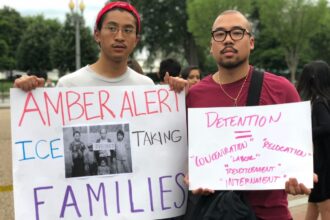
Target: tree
{"points": [[292, 23], [12, 27], [319, 44], [164, 29], [63, 46], [267, 54], [33, 53]]}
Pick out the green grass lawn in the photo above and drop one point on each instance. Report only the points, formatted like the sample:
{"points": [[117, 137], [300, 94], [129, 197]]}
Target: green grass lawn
{"points": [[5, 86]]}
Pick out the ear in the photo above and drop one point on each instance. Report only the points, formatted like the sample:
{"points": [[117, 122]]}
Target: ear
{"points": [[211, 47], [137, 40], [251, 43], [97, 36]]}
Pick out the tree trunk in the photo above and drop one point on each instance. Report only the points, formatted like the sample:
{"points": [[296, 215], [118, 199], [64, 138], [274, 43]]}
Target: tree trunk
{"points": [[292, 60], [190, 50]]}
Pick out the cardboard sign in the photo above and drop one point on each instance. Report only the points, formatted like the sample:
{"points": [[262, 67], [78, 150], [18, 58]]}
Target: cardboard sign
{"points": [[99, 153], [250, 148]]}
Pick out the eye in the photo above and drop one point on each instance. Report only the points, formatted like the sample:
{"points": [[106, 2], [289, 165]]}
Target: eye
{"points": [[128, 30], [237, 32], [219, 34], [112, 29]]}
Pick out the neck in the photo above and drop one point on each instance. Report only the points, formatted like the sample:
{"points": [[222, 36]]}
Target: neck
{"points": [[231, 75], [109, 68]]}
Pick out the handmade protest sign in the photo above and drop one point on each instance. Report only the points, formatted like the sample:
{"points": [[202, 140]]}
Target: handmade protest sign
{"points": [[250, 148], [99, 153]]}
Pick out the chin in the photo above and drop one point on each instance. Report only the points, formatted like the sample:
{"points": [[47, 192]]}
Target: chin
{"points": [[231, 64], [118, 59]]}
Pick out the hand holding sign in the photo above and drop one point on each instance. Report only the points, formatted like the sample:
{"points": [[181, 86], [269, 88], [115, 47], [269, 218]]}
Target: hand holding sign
{"points": [[249, 148]]}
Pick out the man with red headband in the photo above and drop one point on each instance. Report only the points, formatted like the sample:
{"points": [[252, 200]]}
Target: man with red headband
{"points": [[116, 31]]}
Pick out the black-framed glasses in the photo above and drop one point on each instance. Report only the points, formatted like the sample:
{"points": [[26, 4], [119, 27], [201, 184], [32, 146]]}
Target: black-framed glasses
{"points": [[235, 34]]}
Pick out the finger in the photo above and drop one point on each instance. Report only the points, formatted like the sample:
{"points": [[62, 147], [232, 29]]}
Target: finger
{"points": [[186, 89], [208, 191], [166, 78], [40, 82], [304, 189], [298, 189], [293, 184], [202, 191], [315, 178], [287, 187], [186, 179], [197, 191]]}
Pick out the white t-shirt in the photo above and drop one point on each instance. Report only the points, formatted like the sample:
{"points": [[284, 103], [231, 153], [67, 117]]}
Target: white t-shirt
{"points": [[88, 77]]}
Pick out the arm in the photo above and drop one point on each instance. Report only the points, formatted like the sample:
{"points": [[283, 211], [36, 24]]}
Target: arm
{"points": [[28, 83], [176, 83]]}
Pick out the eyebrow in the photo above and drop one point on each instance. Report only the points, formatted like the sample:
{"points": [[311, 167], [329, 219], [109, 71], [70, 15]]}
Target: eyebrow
{"points": [[116, 24], [224, 29]]}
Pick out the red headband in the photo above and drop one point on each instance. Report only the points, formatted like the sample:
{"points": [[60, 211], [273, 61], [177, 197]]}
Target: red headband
{"points": [[124, 5]]}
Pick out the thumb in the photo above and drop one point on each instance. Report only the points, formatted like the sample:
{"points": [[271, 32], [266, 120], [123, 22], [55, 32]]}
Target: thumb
{"points": [[166, 77], [40, 82]]}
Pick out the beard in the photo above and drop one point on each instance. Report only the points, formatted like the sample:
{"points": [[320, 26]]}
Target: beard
{"points": [[232, 64]]}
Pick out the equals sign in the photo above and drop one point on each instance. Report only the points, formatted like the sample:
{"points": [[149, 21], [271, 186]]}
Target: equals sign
{"points": [[243, 134]]}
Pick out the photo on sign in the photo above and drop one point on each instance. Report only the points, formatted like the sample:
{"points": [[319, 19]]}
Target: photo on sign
{"points": [[97, 150]]}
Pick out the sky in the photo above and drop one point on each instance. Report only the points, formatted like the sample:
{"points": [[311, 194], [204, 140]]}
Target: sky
{"points": [[54, 8]]}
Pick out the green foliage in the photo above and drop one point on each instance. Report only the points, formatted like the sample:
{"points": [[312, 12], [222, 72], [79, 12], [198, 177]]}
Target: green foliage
{"points": [[268, 53], [319, 44], [34, 49], [5, 86], [164, 29], [163, 25], [288, 33], [63, 46], [12, 27], [292, 23]]}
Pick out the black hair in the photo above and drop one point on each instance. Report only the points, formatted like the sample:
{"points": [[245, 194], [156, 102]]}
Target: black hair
{"points": [[76, 132], [120, 132], [186, 71], [171, 66], [99, 25], [314, 81]]}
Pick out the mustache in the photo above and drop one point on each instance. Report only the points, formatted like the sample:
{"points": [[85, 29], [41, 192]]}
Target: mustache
{"points": [[228, 47]]}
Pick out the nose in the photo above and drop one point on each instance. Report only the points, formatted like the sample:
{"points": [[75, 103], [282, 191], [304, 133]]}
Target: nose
{"points": [[227, 39], [119, 35]]}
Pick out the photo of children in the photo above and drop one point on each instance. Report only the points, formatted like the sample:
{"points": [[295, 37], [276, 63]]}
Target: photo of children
{"points": [[75, 148], [123, 155], [108, 151]]}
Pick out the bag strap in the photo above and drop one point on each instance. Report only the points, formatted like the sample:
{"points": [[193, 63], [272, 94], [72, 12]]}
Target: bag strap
{"points": [[255, 88]]}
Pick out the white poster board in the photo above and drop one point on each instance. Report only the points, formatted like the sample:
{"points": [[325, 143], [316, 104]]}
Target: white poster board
{"points": [[250, 148], [70, 161]]}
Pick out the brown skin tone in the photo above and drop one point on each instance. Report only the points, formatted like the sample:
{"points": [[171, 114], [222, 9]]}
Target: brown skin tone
{"points": [[194, 77], [114, 50], [232, 58], [230, 52]]}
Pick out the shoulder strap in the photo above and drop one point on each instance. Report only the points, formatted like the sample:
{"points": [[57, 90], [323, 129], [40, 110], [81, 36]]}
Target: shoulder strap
{"points": [[255, 88]]}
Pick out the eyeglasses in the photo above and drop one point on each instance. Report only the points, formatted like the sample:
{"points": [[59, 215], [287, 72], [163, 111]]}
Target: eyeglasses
{"points": [[235, 34], [126, 31]]}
